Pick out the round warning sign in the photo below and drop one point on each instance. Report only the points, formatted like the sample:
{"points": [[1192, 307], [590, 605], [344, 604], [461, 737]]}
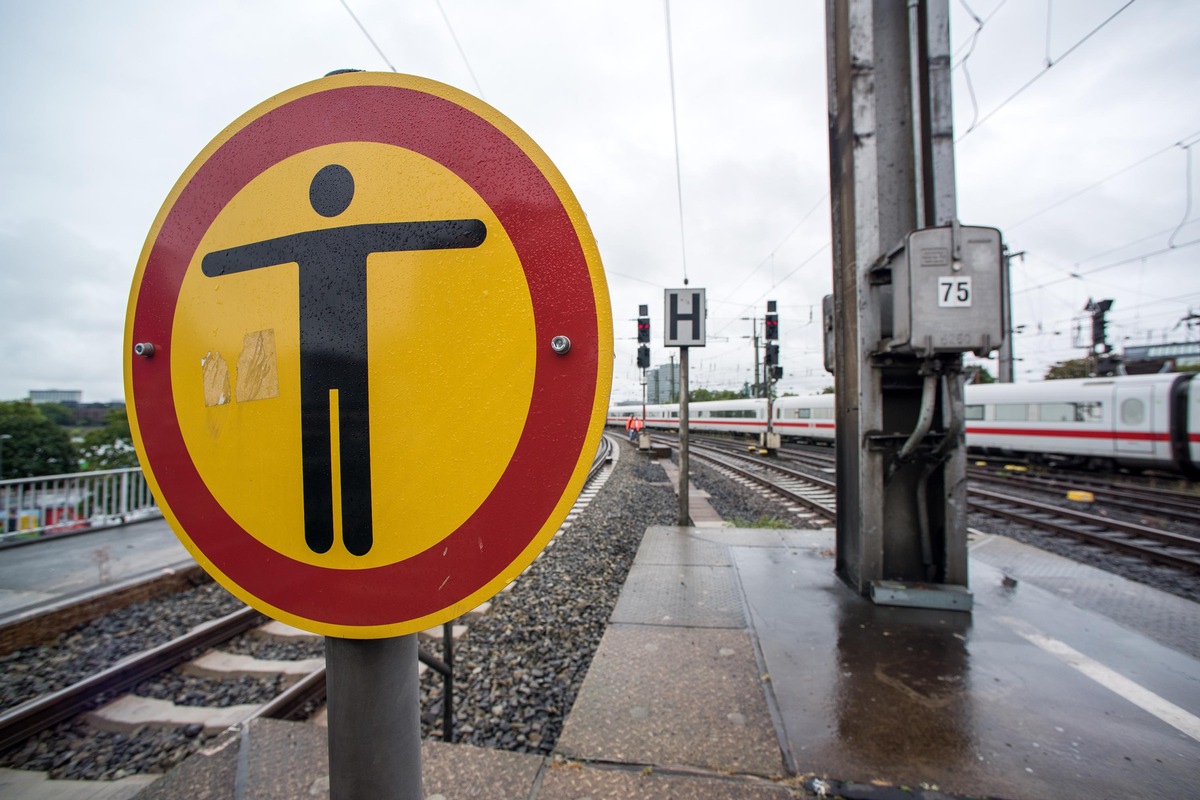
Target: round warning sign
{"points": [[368, 354]]}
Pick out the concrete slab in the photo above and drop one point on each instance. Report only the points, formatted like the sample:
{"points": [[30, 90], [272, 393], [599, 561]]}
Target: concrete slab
{"points": [[700, 511], [222, 665], [272, 760], [127, 714], [668, 696], [681, 546], [680, 595], [282, 632], [458, 771]]}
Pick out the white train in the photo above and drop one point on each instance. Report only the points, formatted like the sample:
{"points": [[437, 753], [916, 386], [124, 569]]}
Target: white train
{"points": [[1134, 421]]}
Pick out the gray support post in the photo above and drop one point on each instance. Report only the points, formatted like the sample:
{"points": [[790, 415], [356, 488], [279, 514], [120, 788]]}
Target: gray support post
{"points": [[685, 519], [374, 719], [891, 170]]}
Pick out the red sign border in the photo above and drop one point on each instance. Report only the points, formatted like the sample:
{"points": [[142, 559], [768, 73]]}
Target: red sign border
{"points": [[548, 246]]}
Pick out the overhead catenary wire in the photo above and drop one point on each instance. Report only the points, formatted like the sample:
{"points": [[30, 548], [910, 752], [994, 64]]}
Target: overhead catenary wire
{"points": [[365, 33], [1191, 138], [675, 130], [462, 53], [1049, 63]]}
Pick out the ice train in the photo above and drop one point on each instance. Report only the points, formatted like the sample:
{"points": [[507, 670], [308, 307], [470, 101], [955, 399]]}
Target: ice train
{"points": [[1130, 421]]}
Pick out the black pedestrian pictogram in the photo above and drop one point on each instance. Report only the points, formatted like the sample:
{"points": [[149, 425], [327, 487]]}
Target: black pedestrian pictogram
{"points": [[332, 267]]}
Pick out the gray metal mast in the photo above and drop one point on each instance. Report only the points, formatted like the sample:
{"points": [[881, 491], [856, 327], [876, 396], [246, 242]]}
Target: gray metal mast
{"points": [[901, 497]]}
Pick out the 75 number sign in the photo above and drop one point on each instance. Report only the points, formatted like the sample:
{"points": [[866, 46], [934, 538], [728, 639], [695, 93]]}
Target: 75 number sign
{"points": [[954, 292]]}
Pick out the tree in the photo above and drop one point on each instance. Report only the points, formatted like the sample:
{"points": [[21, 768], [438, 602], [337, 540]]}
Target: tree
{"points": [[36, 446], [704, 395], [980, 374], [109, 447], [57, 413], [1072, 368], [827, 390]]}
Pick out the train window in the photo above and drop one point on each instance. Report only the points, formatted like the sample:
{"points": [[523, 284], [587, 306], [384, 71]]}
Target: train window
{"points": [[1089, 412], [1133, 411], [1056, 412], [804, 413], [1012, 412], [822, 413], [973, 412]]}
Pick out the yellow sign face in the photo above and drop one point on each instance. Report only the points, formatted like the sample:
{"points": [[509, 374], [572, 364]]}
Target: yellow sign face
{"points": [[352, 416]]}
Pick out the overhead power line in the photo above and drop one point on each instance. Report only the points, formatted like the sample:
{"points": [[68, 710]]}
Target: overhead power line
{"points": [[1049, 63], [461, 52], [1189, 138], [675, 129], [366, 34]]}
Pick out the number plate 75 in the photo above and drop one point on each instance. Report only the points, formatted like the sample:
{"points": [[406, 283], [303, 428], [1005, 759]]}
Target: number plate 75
{"points": [[954, 291]]}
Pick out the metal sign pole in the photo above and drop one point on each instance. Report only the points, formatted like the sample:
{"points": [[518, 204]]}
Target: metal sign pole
{"points": [[684, 518], [374, 694]]}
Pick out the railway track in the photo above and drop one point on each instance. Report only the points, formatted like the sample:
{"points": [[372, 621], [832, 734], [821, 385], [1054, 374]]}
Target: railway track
{"points": [[24, 721], [1170, 548], [111, 687]]}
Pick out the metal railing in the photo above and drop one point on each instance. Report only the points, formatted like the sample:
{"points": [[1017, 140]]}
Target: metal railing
{"points": [[37, 507]]}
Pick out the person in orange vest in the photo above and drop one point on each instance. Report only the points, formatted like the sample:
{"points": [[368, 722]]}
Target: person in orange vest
{"points": [[635, 427]]}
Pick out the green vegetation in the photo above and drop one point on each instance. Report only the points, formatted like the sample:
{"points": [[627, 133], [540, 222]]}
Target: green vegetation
{"points": [[109, 447], [704, 395], [1072, 368], [765, 521], [35, 445]]}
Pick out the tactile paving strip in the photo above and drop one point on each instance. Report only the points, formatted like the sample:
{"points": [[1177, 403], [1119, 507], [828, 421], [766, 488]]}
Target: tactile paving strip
{"points": [[679, 547], [681, 596]]}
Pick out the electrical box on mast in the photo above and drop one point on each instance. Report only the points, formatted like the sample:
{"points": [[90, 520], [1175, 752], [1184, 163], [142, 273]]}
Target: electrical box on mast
{"points": [[947, 292]]}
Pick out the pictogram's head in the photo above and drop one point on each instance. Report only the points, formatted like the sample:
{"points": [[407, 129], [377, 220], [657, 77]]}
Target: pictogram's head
{"points": [[331, 190]]}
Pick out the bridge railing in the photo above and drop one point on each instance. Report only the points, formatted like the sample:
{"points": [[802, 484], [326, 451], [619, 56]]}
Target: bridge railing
{"points": [[54, 504]]}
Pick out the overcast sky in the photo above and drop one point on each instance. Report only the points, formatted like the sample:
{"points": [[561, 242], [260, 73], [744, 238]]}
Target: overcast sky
{"points": [[105, 104]]}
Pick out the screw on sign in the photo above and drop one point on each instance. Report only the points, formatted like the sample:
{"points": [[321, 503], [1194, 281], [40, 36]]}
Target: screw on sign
{"points": [[309, 436]]}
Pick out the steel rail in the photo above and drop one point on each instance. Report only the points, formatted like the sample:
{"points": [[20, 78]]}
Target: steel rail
{"points": [[21, 722], [1118, 526], [1164, 504], [828, 510], [289, 703], [1103, 538]]}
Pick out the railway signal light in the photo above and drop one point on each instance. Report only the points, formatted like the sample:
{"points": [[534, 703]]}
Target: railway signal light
{"points": [[772, 323], [776, 372], [643, 357], [643, 324], [1099, 324], [772, 358]]}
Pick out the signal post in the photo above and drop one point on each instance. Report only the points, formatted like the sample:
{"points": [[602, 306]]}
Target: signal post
{"points": [[685, 313]]}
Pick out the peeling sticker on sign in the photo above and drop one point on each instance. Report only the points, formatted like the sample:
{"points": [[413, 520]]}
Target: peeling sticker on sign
{"points": [[257, 375], [216, 380]]}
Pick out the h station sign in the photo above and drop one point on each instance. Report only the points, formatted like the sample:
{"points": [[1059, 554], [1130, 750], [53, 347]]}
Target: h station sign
{"points": [[684, 314]]}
